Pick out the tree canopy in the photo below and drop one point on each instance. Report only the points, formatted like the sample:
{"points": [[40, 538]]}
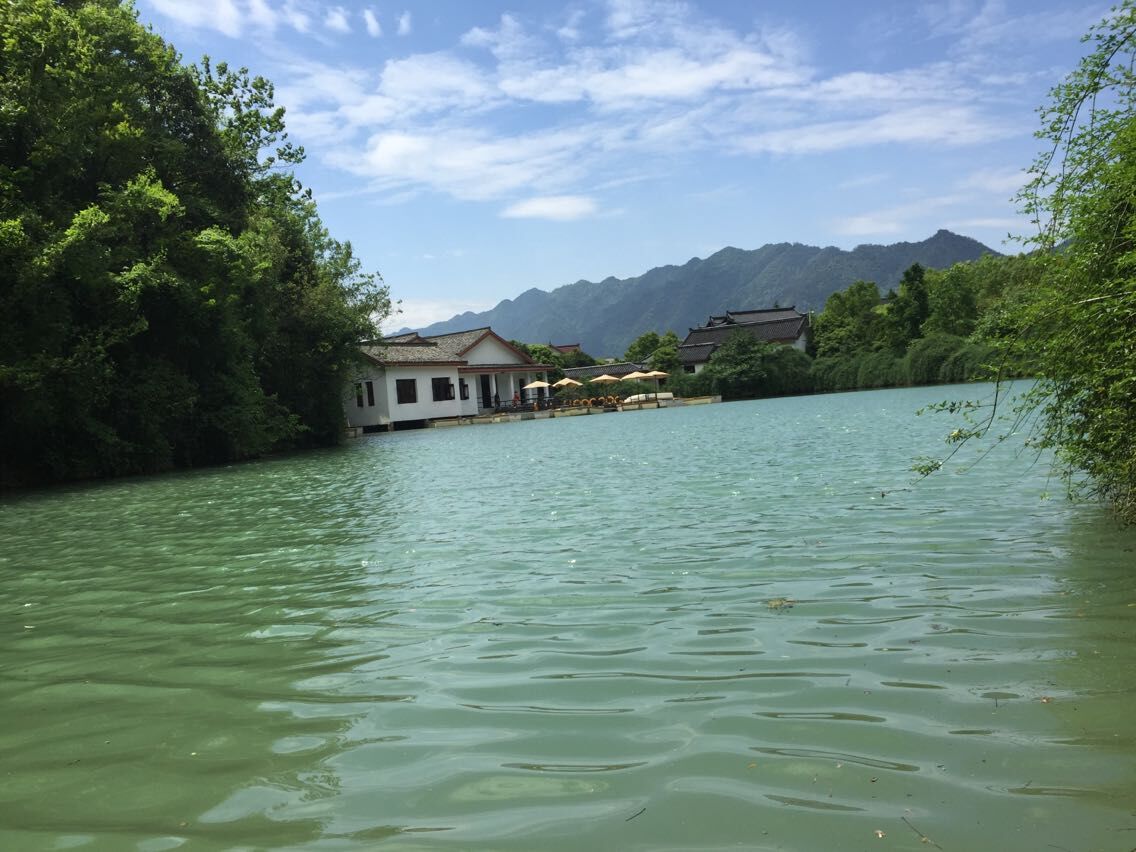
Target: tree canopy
{"points": [[1081, 321], [170, 295]]}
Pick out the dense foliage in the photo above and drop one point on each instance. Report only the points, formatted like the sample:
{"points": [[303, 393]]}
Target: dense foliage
{"points": [[1081, 322], [949, 325], [656, 351], [169, 295]]}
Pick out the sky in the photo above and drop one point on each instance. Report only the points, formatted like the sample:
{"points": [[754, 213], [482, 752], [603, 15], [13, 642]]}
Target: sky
{"points": [[470, 151]]}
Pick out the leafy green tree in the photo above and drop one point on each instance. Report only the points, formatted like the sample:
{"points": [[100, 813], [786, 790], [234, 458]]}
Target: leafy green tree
{"points": [[850, 322], [737, 369], [169, 295], [1083, 319], [576, 359], [665, 356], [906, 313], [952, 300], [744, 367], [1077, 319], [642, 347]]}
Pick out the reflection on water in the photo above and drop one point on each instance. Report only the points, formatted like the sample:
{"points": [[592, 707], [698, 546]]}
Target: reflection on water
{"points": [[725, 626]]}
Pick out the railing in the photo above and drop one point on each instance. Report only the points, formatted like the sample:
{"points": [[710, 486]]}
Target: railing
{"points": [[519, 406]]}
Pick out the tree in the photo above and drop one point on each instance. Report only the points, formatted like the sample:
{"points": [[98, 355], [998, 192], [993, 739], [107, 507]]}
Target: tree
{"points": [[952, 301], [1084, 320], [736, 369], [850, 322], [642, 347], [744, 367], [1079, 320], [906, 313], [170, 296], [665, 356]]}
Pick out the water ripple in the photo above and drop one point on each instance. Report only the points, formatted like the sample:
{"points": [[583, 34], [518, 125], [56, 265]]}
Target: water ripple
{"points": [[695, 628]]}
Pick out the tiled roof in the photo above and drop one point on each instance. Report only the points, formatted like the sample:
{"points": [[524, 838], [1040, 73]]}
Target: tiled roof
{"points": [[456, 343], [763, 315], [412, 348], [696, 353], [409, 353], [505, 368], [620, 369], [772, 325], [771, 332]]}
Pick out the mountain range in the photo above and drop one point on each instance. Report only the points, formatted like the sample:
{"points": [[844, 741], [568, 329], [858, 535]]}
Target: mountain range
{"points": [[605, 316]]}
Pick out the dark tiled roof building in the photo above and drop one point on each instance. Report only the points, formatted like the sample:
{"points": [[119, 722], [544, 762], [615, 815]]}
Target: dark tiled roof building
{"points": [[786, 326]]}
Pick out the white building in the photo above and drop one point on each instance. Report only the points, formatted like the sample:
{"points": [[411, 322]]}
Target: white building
{"points": [[410, 380]]}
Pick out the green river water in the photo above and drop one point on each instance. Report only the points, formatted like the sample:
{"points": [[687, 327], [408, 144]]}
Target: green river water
{"points": [[697, 628]]}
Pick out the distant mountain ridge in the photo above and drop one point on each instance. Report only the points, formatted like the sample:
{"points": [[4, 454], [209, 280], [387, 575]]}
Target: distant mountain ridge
{"points": [[604, 317]]}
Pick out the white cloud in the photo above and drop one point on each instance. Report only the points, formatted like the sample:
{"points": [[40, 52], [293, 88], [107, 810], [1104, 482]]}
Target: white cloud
{"points": [[404, 24], [220, 15], [1002, 182], [336, 19], [901, 218], [428, 81], [510, 43], [559, 208], [466, 164], [262, 15], [418, 313], [956, 125], [570, 29], [374, 29], [861, 181], [661, 81], [627, 19], [296, 17]]}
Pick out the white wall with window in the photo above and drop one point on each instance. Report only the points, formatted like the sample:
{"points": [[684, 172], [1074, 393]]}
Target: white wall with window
{"points": [[366, 403], [422, 393]]}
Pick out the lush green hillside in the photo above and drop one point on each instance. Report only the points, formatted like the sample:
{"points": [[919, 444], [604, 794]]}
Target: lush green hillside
{"points": [[606, 316]]}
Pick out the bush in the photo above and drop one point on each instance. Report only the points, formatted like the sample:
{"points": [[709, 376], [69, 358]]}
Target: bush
{"points": [[926, 356]]}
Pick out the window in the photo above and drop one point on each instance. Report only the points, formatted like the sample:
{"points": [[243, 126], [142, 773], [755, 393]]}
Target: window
{"points": [[359, 394], [688, 368], [463, 388], [370, 394], [443, 388], [407, 390]]}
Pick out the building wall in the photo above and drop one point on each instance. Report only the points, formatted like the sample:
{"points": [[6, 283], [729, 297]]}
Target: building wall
{"points": [[425, 408], [387, 408], [367, 415], [470, 407], [491, 351]]}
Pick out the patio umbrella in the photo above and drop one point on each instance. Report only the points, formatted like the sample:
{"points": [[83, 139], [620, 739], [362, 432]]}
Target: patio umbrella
{"points": [[656, 375], [536, 384], [566, 383], [605, 379], [636, 375]]}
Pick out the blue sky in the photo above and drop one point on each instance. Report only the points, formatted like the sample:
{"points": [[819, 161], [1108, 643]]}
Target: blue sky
{"points": [[472, 150]]}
